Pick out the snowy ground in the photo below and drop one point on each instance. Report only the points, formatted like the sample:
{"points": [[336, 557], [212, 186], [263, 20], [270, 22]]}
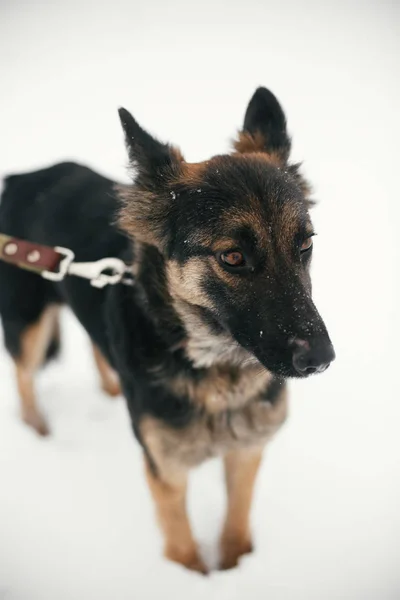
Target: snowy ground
{"points": [[76, 522]]}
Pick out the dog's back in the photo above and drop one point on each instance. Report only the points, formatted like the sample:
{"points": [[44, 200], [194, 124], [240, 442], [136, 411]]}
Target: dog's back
{"points": [[64, 205]]}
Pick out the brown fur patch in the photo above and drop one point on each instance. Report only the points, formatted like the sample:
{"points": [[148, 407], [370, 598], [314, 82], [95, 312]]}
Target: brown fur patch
{"points": [[185, 281], [248, 143], [177, 154], [186, 289], [191, 173], [223, 387], [169, 496], [143, 212], [223, 244], [241, 468], [211, 434], [250, 216], [138, 216], [204, 348], [34, 343]]}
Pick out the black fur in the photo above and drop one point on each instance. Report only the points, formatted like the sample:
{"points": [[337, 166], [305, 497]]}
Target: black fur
{"points": [[265, 115], [157, 160]]}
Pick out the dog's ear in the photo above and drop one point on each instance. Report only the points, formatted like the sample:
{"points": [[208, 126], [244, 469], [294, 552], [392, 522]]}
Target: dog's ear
{"points": [[264, 128], [145, 206], [155, 163]]}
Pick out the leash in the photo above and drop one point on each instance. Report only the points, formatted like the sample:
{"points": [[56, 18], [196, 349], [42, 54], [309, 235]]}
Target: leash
{"points": [[56, 263]]}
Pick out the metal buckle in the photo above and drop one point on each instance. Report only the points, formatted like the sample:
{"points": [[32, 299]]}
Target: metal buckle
{"points": [[94, 271], [90, 270], [63, 266]]}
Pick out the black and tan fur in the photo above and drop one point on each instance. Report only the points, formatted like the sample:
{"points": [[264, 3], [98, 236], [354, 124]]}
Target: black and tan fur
{"points": [[200, 347]]}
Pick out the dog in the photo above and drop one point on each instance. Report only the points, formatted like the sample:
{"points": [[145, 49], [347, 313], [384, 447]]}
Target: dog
{"points": [[219, 316]]}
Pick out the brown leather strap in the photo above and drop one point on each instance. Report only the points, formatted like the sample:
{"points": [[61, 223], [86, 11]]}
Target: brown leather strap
{"points": [[26, 255]]}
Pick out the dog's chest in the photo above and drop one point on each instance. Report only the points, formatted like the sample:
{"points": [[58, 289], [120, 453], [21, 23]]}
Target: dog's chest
{"points": [[222, 388], [225, 418]]}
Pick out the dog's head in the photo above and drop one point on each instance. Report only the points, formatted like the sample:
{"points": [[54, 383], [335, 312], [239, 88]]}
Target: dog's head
{"points": [[237, 241]]}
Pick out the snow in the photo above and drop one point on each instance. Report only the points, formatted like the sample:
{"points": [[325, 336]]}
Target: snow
{"points": [[76, 521]]}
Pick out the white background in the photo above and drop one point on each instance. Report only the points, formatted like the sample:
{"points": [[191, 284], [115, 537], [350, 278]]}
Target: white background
{"points": [[76, 522]]}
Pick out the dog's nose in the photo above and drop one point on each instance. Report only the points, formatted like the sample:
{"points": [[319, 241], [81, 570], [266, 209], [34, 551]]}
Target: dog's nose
{"points": [[312, 357]]}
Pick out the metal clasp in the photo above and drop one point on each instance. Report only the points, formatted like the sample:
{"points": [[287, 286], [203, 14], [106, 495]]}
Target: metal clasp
{"points": [[63, 266], [95, 271]]}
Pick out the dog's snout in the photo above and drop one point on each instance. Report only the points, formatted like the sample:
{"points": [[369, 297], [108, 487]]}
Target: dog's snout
{"points": [[312, 357]]}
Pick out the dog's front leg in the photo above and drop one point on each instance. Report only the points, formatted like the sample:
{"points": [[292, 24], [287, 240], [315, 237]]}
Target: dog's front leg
{"points": [[241, 467], [169, 494]]}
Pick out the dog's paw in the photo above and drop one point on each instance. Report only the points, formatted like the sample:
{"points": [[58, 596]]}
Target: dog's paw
{"points": [[189, 559], [35, 420], [111, 388], [232, 549]]}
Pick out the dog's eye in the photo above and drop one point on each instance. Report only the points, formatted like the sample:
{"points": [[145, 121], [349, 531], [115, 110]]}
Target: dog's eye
{"points": [[306, 245], [234, 258]]}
